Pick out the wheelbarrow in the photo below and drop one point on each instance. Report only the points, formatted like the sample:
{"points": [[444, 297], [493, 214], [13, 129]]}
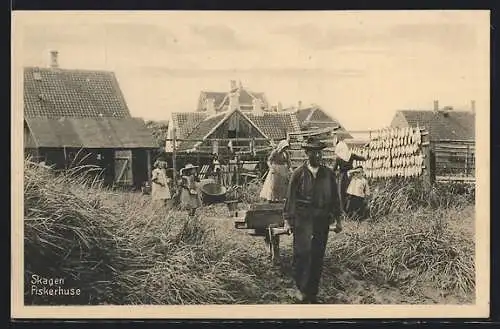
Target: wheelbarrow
{"points": [[266, 219], [213, 193]]}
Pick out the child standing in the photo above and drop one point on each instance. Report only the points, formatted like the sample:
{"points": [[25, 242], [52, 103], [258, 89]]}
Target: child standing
{"points": [[190, 199], [160, 190], [357, 192]]}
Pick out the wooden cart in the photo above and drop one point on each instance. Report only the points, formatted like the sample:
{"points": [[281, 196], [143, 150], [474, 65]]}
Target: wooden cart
{"points": [[265, 219]]}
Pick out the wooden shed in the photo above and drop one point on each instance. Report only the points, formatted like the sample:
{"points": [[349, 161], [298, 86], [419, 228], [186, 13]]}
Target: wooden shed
{"points": [[80, 117]]}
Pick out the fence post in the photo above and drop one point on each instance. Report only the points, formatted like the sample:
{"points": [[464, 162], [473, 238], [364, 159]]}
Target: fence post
{"points": [[174, 157], [148, 163], [427, 152], [467, 162]]}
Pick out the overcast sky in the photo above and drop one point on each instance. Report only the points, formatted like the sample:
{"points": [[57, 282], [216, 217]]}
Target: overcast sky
{"points": [[359, 66]]}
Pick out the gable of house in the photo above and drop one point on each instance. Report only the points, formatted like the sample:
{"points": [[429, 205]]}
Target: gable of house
{"points": [[219, 126]]}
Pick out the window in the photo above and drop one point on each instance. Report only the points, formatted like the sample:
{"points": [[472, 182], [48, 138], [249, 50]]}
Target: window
{"points": [[231, 134]]}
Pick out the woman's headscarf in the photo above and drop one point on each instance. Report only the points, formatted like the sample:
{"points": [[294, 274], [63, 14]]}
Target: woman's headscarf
{"points": [[281, 145]]}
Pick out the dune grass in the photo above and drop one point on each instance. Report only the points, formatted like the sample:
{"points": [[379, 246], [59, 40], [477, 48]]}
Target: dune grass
{"points": [[120, 248]]}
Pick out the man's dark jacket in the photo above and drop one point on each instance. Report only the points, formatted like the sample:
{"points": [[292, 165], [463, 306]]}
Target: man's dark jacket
{"points": [[310, 197]]}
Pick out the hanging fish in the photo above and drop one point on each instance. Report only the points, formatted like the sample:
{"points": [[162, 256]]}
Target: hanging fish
{"points": [[418, 137]]}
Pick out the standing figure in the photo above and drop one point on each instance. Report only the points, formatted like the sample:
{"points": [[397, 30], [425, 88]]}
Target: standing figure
{"points": [[357, 192], [160, 190], [311, 206], [343, 164], [216, 169], [276, 183], [190, 198]]}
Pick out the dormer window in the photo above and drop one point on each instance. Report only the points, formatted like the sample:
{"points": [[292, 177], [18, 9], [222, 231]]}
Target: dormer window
{"points": [[37, 76]]}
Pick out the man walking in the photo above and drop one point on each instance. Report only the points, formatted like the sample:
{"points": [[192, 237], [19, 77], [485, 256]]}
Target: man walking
{"points": [[312, 204]]}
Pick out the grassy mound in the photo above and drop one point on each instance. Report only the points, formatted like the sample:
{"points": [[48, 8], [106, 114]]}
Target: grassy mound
{"points": [[120, 249]]}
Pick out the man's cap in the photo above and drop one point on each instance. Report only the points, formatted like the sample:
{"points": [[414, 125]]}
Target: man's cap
{"points": [[313, 143]]}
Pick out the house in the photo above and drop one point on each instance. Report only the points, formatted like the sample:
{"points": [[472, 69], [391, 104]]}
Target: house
{"points": [[215, 102], [80, 117], [451, 134], [237, 113], [241, 118], [314, 117]]}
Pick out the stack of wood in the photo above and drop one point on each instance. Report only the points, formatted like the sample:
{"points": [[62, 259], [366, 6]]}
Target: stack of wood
{"points": [[395, 152], [296, 139]]}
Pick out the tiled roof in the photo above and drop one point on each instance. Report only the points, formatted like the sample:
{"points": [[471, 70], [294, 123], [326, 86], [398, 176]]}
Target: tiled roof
{"points": [[275, 124], [452, 125], [90, 132], [185, 122], [201, 130], [320, 115], [303, 114], [72, 93], [308, 116]]}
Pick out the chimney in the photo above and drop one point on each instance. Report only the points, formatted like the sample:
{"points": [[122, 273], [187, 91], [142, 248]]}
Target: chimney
{"points": [[257, 105], [53, 59], [280, 107], [210, 106], [436, 106], [234, 100], [299, 105], [473, 106], [233, 85], [240, 85]]}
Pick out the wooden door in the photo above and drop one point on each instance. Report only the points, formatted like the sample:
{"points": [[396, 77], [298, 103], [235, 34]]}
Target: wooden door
{"points": [[123, 167]]}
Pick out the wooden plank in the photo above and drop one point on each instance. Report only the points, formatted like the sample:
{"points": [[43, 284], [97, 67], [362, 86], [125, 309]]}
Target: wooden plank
{"points": [[122, 171], [148, 163]]}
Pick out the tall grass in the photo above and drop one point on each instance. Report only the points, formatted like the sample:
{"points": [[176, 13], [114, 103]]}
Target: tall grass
{"points": [[396, 196], [413, 251], [121, 249]]}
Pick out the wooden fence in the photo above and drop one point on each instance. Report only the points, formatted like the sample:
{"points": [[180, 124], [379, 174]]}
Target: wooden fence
{"points": [[454, 160], [391, 152]]}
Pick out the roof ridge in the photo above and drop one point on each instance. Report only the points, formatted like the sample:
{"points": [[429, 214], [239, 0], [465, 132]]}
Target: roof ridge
{"points": [[58, 69]]}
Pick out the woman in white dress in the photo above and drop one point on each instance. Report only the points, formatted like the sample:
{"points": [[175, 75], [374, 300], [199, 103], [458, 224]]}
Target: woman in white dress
{"points": [[276, 183], [159, 189]]}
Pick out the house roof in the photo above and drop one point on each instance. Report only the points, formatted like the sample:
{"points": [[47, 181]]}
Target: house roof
{"points": [[450, 125], [218, 97], [90, 132], [271, 124], [222, 98], [316, 117], [80, 108], [275, 125], [52, 92], [185, 122], [201, 130]]}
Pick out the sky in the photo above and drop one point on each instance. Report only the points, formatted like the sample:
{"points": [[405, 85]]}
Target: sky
{"points": [[360, 67]]}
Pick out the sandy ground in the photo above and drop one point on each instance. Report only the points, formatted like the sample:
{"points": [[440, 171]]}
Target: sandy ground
{"points": [[338, 286]]}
